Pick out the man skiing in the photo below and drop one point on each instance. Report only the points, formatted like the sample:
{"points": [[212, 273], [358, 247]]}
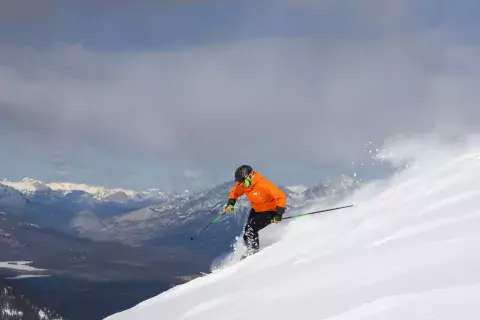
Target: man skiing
{"points": [[268, 203]]}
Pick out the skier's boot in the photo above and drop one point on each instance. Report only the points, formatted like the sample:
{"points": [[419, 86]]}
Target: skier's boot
{"points": [[249, 252]]}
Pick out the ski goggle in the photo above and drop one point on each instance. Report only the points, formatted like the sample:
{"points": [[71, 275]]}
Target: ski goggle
{"points": [[247, 181]]}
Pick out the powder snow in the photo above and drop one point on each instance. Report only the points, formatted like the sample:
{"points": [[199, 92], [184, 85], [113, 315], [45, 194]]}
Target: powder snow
{"points": [[409, 249]]}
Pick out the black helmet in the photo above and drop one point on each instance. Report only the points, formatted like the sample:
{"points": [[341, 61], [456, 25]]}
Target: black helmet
{"points": [[242, 172]]}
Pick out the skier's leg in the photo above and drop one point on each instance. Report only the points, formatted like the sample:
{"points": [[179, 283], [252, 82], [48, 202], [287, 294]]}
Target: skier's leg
{"points": [[248, 232], [256, 222]]}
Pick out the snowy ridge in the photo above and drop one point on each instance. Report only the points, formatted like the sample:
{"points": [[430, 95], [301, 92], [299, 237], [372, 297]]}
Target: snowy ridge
{"points": [[97, 191], [29, 187], [409, 249], [26, 186]]}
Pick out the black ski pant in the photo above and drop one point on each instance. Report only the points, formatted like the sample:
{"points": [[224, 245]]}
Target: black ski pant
{"points": [[256, 221]]}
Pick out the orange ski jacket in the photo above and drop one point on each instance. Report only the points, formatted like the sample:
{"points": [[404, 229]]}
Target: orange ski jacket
{"points": [[263, 195]]}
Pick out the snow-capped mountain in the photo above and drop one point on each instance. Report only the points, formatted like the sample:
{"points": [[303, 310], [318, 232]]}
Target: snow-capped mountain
{"points": [[409, 249], [62, 206], [26, 186], [152, 216], [29, 187]]}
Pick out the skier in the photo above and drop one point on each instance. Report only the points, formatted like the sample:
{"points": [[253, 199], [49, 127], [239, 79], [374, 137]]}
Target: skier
{"points": [[268, 203]]}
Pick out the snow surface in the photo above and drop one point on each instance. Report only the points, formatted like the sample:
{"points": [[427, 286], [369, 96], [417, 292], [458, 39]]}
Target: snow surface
{"points": [[19, 265], [409, 249]]}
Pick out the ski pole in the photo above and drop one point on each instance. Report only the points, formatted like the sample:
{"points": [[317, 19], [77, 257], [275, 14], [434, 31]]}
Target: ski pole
{"points": [[305, 214], [208, 225]]}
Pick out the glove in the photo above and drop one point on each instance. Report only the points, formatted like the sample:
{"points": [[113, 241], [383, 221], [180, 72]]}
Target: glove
{"points": [[278, 215], [277, 218], [230, 205]]}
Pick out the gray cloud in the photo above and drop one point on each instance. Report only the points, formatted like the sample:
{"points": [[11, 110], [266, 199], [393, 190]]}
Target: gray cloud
{"points": [[38, 10], [42, 10], [314, 100]]}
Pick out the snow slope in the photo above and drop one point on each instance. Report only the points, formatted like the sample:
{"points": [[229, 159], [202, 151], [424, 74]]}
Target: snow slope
{"points": [[409, 249]]}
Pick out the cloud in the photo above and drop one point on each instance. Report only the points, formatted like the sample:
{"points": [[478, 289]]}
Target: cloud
{"points": [[313, 100], [44, 9], [63, 172], [195, 175], [11, 10], [60, 164]]}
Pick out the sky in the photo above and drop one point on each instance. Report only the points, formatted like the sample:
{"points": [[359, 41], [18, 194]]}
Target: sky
{"points": [[177, 94]]}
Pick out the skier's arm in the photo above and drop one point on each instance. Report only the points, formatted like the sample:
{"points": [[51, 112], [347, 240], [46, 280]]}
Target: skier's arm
{"points": [[280, 198], [234, 195]]}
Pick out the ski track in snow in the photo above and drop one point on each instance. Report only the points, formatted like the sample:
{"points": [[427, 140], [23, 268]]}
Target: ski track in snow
{"points": [[409, 249]]}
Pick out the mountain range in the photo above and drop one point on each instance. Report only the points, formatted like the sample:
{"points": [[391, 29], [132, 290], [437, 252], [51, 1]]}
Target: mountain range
{"points": [[148, 216], [119, 245], [28, 187]]}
